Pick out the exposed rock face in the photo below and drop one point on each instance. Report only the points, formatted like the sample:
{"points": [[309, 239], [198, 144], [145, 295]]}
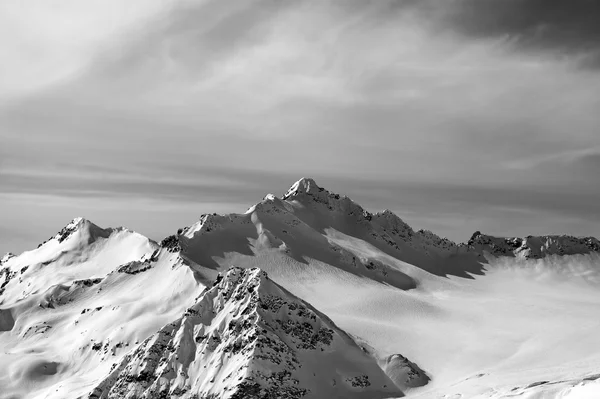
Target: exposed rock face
{"points": [[246, 337], [421, 240], [6, 275], [171, 243], [403, 372], [532, 247], [7, 322], [6, 257]]}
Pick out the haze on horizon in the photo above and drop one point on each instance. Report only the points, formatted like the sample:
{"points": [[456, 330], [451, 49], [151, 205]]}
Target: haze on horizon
{"points": [[458, 115]]}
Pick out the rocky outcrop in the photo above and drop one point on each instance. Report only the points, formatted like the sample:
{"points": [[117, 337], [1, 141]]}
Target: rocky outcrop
{"points": [[532, 247], [403, 372]]}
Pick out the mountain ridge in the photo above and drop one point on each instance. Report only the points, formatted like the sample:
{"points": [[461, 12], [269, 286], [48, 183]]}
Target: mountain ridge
{"points": [[307, 188]]}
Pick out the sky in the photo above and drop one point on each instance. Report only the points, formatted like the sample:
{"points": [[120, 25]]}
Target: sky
{"points": [[458, 115]]}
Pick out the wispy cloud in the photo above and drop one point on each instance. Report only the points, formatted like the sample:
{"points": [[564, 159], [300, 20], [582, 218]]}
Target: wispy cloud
{"points": [[217, 100], [47, 42], [564, 30]]}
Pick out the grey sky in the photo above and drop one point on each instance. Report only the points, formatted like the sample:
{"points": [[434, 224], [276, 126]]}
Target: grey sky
{"points": [[459, 115]]}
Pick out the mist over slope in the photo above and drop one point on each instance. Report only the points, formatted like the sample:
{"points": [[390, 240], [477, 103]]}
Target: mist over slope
{"points": [[96, 312]]}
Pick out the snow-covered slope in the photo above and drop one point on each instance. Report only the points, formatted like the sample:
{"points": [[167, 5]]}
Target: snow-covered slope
{"points": [[80, 250], [78, 303], [401, 290], [108, 311], [246, 337]]}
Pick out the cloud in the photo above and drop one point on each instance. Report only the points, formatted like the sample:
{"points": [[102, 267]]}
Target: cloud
{"points": [[222, 102], [45, 43], [563, 28]]}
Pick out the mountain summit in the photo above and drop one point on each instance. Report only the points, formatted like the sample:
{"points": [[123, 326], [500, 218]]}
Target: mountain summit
{"points": [[305, 185]]}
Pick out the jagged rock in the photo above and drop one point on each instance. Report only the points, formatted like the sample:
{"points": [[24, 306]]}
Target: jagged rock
{"points": [[171, 243], [247, 337], [7, 257], [134, 267], [403, 372], [87, 282], [532, 247]]}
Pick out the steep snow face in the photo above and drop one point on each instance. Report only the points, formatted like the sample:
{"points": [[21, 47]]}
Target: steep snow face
{"points": [[382, 228], [533, 247], [283, 229], [246, 337], [338, 217]]}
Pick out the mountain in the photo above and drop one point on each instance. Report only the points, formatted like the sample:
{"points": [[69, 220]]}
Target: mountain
{"points": [[79, 302], [247, 337], [95, 312], [532, 247], [309, 222]]}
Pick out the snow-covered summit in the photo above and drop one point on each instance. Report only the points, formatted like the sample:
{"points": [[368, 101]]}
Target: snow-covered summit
{"points": [[79, 224], [307, 192], [246, 337], [305, 185]]}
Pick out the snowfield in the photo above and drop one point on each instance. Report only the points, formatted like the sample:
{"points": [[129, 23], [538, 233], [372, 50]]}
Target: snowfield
{"points": [[307, 295]]}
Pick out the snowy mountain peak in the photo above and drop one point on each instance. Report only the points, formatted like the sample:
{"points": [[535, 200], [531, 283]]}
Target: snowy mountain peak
{"points": [[305, 185], [246, 337], [87, 232], [79, 219], [77, 224]]}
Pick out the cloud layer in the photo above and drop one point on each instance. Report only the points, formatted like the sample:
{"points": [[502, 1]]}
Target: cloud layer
{"points": [[459, 115]]}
